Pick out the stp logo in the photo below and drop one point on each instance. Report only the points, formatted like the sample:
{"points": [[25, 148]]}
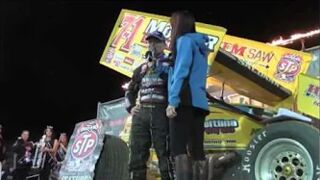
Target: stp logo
{"points": [[288, 67], [84, 145]]}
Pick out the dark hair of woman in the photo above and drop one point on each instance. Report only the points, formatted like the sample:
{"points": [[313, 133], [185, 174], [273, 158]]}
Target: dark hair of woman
{"points": [[50, 128], [182, 22]]}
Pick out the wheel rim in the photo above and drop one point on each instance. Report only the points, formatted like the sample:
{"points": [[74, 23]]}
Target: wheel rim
{"points": [[283, 159]]}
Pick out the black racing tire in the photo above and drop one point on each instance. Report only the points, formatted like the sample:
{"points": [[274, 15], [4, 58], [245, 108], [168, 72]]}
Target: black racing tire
{"points": [[113, 161], [284, 150]]}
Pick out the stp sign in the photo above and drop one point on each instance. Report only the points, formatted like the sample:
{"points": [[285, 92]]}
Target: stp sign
{"points": [[288, 67], [84, 144]]}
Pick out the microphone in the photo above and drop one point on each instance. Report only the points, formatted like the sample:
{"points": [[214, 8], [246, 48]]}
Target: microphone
{"points": [[170, 59], [148, 56]]}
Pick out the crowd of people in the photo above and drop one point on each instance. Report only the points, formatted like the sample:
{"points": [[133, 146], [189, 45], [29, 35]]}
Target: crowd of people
{"points": [[25, 158]]}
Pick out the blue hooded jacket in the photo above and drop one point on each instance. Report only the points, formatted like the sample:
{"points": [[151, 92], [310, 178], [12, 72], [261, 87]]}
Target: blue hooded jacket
{"points": [[190, 62]]}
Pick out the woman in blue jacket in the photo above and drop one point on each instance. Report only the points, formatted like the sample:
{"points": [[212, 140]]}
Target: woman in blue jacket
{"points": [[188, 105]]}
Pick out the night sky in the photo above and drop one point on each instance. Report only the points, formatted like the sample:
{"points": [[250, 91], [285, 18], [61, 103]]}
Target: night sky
{"points": [[50, 51]]}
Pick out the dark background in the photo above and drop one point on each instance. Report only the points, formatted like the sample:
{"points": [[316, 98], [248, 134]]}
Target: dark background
{"points": [[50, 51]]}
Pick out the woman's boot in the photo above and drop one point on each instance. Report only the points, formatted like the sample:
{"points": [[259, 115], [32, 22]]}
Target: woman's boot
{"points": [[200, 170], [183, 167]]}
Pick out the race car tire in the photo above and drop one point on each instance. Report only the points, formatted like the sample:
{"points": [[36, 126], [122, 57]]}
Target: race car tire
{"points": [[286, 150], [113, 161]]}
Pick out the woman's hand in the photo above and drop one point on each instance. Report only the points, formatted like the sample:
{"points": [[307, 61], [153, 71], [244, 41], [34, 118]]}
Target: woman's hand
{"points": [[135, 110], [45, 149], [171, 112]]}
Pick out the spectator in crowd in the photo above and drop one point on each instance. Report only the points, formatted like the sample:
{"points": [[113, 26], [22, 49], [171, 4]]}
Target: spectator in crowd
{"points": [[2, 146], [60, 154], [50, 149], [23, 150]]}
